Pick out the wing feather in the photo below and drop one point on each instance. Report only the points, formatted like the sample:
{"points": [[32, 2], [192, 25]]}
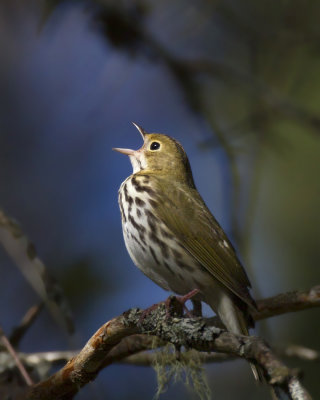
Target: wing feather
{"points": [[185, 214]]}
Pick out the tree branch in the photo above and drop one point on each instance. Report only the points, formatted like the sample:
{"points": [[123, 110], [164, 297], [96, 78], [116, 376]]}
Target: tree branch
{"points": [[288, 302], [84, 367], [118, 339], [135, 350]]}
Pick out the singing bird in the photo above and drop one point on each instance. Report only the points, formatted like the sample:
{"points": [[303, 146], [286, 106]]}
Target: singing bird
{"points": [[173, 238]]}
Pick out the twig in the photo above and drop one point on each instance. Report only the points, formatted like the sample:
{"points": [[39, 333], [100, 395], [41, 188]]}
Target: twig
{"points": [[28, 319], [233, 172], [304, 353], [14, 355]]}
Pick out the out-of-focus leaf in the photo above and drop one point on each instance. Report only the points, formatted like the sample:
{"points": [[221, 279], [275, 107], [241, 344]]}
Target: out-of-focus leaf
{"points": [[24, 255]]}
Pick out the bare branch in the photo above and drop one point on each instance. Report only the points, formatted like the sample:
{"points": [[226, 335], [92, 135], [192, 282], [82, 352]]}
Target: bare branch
{"points": [[26, 322], [136, 344], [304, 353], [148, 358], [84, 367], [15, 356], [288, 302]]}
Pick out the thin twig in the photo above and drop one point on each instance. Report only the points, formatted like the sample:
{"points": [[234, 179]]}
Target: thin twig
{"points": [[15, 356], [27, 320], [304, 353]]}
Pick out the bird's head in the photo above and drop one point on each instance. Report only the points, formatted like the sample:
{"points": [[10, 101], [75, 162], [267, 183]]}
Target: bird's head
{"points": [[160, 154]]}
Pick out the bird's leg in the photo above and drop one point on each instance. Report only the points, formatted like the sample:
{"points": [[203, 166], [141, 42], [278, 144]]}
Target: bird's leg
{"points": [[149, 310], [173, 306], [188, 296], [197, 308], [183, 299], [176, 304]]}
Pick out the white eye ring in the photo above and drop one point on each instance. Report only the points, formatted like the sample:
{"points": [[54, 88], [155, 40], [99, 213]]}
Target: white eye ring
{"points": [[154, 146]]}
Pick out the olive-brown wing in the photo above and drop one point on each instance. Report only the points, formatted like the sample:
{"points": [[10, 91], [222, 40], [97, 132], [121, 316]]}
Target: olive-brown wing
{"points": [[185, 214]]}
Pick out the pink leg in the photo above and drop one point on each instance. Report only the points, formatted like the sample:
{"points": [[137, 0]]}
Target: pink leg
{"points": [[181, 299], [188, 296], [185, 298]]}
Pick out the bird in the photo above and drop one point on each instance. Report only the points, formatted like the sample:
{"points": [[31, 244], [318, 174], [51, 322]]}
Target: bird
{"points": [[173, 238]]}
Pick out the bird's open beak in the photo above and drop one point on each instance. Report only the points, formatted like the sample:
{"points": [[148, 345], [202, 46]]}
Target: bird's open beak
{"points": [[141, 130], [128, 152]]}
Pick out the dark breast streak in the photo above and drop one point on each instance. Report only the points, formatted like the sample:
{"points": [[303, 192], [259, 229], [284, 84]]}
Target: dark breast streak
{"points": [[152, 247]]}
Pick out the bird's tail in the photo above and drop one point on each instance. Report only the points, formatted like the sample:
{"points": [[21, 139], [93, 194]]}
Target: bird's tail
{"points": [[256, 370], [236, 321]]}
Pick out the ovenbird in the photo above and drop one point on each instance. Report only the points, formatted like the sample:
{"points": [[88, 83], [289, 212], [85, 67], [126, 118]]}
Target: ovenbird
{"points": [[173, 238]]}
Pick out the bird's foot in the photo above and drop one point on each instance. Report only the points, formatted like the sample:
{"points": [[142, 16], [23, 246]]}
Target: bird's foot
{"points": [[173, 302], [197, 308], [149, 310], [175, 305]]}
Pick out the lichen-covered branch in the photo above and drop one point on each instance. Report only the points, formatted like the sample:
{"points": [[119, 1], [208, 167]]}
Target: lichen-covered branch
{"points": [[118, 339]]}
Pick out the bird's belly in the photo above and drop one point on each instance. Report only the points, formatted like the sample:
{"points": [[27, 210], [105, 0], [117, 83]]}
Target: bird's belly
{"points": [[153, 248], [160, 265], [144, 258]]}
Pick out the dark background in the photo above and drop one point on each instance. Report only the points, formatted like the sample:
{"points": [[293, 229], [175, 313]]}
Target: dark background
{"points": [[237, 83]]}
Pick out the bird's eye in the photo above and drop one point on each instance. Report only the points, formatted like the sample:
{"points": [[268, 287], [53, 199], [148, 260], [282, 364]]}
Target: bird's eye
{"points": [[155, 146]]}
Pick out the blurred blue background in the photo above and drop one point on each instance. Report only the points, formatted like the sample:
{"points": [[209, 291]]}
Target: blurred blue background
{"points": [[236, 84]]}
